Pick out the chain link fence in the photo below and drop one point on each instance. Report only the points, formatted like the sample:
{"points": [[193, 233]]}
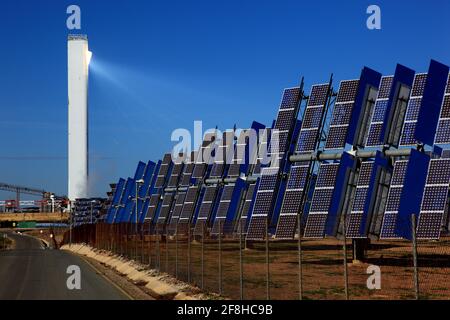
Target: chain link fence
{"points": [[274, 269]]}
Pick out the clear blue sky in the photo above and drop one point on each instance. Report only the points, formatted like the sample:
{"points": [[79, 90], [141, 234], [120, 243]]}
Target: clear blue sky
{"points": [[160, 65]]}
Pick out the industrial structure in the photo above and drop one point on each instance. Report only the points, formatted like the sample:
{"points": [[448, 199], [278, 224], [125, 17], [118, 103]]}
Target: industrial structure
{"points": [[366, 162], [48, 201], [79, 58], [359, 163]]}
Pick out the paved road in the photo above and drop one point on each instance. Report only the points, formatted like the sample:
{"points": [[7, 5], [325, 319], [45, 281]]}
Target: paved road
{"points": [[31, 272]]}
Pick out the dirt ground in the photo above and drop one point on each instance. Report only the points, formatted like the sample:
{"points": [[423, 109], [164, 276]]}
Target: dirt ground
{"points": [[322, 268], [133, 290]]}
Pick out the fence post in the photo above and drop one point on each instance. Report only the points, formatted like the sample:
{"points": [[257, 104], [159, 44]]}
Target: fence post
{"points": [[111, 237], [267, 261], [203, 257], [127, 238], [142, 243], [70, 230], [241, 264], [345, 263], [167, 250], [176, 252], [135, 242], [158, 252], [189, 255], [416, 268], [122, 240], [300, 270], [220, 257], [119, 239], [150, 250]]}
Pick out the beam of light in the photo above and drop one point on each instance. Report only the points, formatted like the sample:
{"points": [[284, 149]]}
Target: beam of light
{"points": [[88, 57], [148, 89]]}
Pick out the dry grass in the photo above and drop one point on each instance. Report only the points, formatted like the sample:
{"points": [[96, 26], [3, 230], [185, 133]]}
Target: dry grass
{"points": [[322, 269]]}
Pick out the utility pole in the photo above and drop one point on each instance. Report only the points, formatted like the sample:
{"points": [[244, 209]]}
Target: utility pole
{"points": [[138, 183], [71, 222]]}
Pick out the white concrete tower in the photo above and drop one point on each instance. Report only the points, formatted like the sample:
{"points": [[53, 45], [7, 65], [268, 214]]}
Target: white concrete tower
{"points": [[79, 57]]}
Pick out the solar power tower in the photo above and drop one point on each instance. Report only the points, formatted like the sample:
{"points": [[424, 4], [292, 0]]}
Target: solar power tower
{"points": [[281, 136], [200, 171], [210, 193], [155, 190], [331, 192], [235, 182], [300, 172]]}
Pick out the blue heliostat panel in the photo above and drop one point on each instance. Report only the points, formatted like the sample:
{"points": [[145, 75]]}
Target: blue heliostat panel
{"points": [[163, 171], [443, 131], [250, 193], [377, 121], [179, 196], [386, 119], [370, 79], [350, 101], [431, 102], [166, 208], [328, 199], [149, 192], [270, 178], [310, 131], [222, 159], [140, 170], [412, 193], [200, 171], [405, 193], [156, 190], [174, 181], [342, 113], [120, 216], [362, 193], [346, 166], [232, 193], [398, 93], [143, 189], [115, 201], [127, 203], [434, 201], [393, 200], [329, 193], [412, 112], [425, 105], [362, 208]]}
